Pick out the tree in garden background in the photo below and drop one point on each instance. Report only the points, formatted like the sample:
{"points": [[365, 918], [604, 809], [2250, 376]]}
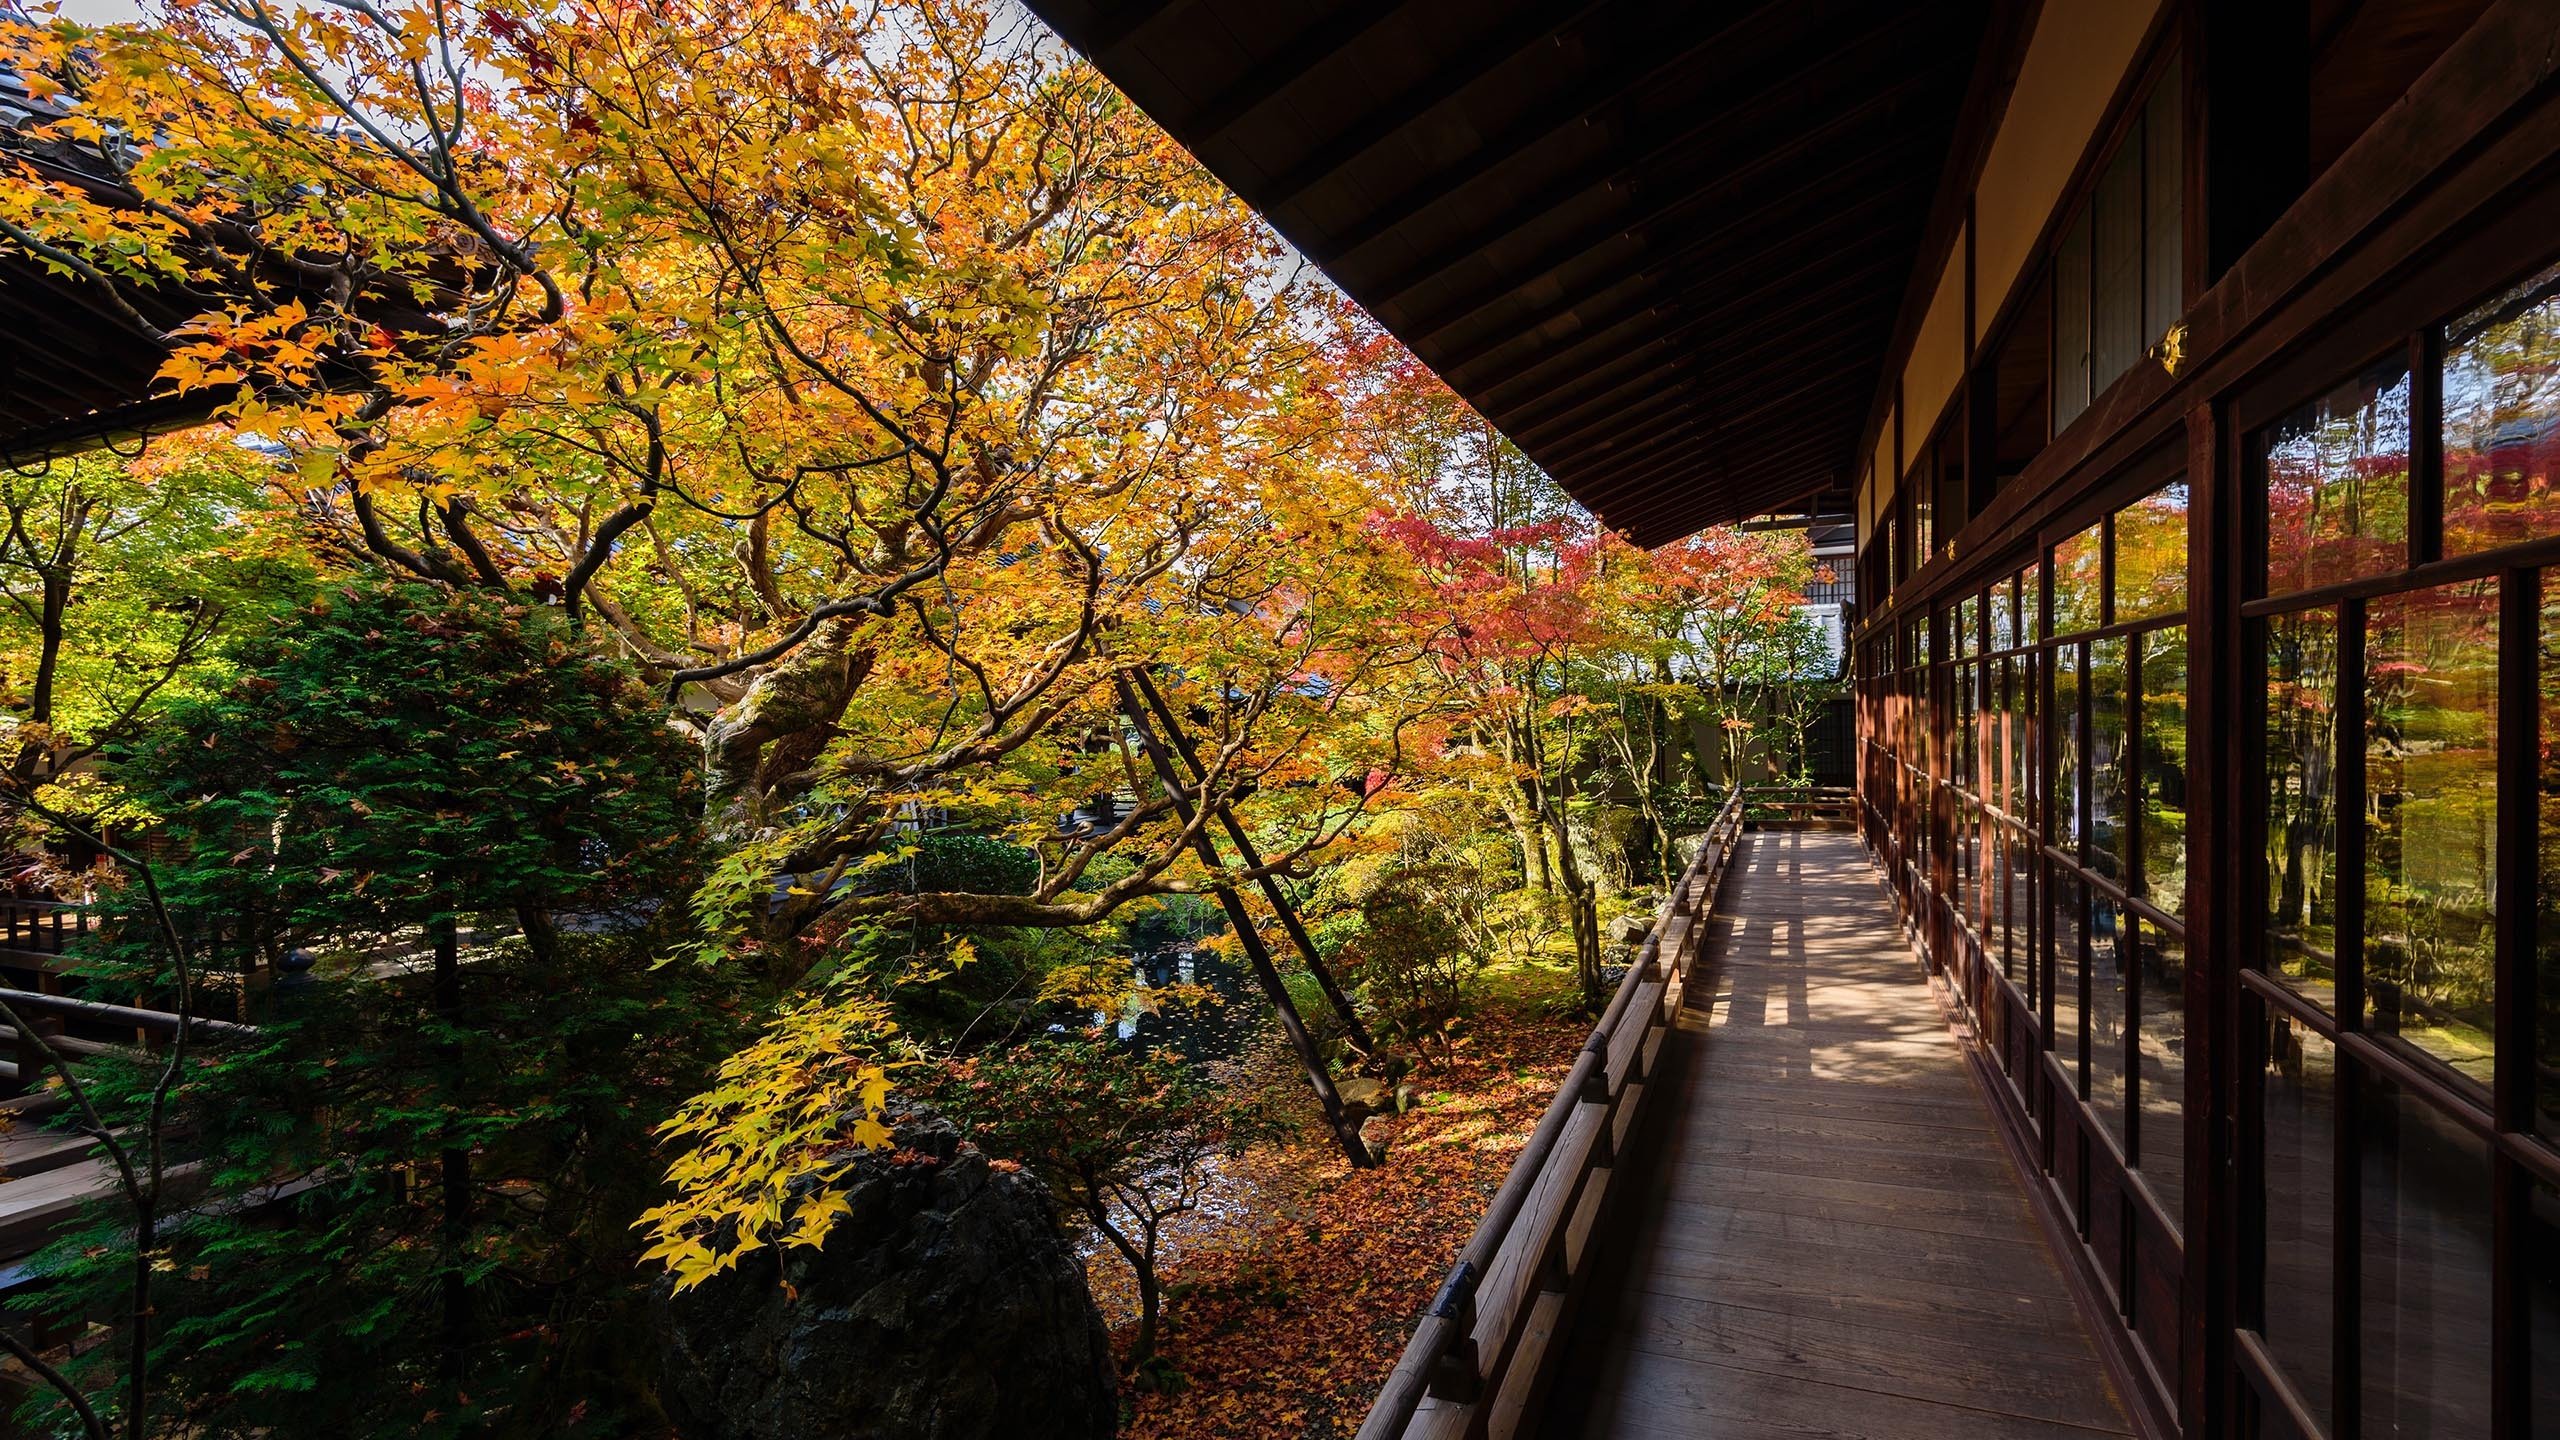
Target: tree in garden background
{"points": [[423, 1162], [119, 577], [1124, 1140]]}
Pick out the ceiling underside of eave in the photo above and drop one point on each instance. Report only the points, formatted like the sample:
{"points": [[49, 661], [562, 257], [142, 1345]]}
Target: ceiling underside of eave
{"points": [[1661, 245]]}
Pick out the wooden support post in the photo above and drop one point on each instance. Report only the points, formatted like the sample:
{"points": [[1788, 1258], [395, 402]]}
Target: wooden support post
{"points": [[1457, 1373], [30, 1053], [1346, 1132], [1252, 860], [2219, 720]]}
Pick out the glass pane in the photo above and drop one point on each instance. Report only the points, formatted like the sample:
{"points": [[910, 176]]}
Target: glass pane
{"points": [[2542, 1302], [2431, 807], [1968, 831], [1954, 507], [2300, 1169], [2063, 796], [2151, 556], [2546, 900], [2162, 1085], [2426, 1264], [1997, 883], [2109, 761], [2115, 325], [2021, 914], [2337, 482], [2108, 945], [2164, 769], [1967, 638], [2021, 740], [2071, 324], [2031, 605], [2302, 801], [2163, 196], [2502, 420], [2004, 614], [2076, 589], [2066, 920]]}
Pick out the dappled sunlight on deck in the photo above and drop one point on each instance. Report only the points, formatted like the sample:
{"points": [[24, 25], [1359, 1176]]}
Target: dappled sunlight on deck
{"points": [[1824, 1235]]}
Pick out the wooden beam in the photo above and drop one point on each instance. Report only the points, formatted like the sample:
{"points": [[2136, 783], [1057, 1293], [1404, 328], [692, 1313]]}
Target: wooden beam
{"points": [[1574, 111], [1534, 26], [1308, 50], [1678, 193], [1788, 296], [1822, 193]]}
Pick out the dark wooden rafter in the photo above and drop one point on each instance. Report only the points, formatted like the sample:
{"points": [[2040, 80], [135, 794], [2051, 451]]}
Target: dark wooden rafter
{"points": [[1740, 138], [1536, 26], [1744, 368], [1836, 198], [1811, 287], [1313, 47], [1542, 127], [1671, 196]]}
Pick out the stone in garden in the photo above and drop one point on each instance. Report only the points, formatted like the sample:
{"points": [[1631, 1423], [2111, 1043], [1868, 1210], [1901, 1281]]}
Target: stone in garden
{"points": [[947, 1305]]}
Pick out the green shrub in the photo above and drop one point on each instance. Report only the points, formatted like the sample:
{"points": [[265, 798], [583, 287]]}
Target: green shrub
{"points": [[1413, 954]]}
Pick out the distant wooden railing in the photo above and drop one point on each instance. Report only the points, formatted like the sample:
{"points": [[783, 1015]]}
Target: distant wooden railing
{"points": [[1479, 1359], [41, 930], [1803, 804]]}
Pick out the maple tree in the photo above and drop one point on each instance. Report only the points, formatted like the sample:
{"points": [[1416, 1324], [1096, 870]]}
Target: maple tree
{"points": [[1020, 542], [1126, 1141]]}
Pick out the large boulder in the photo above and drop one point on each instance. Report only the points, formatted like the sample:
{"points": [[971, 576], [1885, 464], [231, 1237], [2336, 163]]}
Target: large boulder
{"points": [[947, 1305]]}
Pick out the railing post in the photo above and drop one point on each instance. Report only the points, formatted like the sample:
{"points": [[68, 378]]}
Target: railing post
{"points": [[29, 1050], [1595, 1081], [1456, 1375]]}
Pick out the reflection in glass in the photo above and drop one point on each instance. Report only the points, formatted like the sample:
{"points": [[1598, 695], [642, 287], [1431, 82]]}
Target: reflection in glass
{"points": [[2337, 483], [2151, 555], [2071, 389], [2020, 964], [2022, 803], [2425, 1269], [2300, 1171], [2431, 826], [2076, 588], [2163, 822], [2502, 420], [2066, 920], [2163, 205], [2301, 837], [2161, 1087], [2108, 759], [2003, 605], [2031, 605], [1968, 638], [2115, 315], [2109, 945], [2546, 900], [2063, 796]]}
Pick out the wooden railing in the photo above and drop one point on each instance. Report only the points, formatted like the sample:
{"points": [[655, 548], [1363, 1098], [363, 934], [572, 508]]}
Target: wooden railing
{"points": [[40, 930], [1481, 1355], [1803, 805]]}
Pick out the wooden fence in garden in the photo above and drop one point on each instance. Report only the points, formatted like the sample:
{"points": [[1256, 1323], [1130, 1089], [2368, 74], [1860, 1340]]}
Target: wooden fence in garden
{"points": [[1479, 1359]]}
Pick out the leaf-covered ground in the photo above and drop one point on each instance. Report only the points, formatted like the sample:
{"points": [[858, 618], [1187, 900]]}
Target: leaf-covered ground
{"points": [[1290, 1301]]}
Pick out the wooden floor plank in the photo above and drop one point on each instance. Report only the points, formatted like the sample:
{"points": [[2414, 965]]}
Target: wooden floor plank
{"points": [[1825, 1236]]}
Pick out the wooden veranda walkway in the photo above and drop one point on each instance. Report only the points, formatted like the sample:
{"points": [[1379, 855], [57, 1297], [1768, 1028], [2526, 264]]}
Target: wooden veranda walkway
{"points": [[1820, 1234]]}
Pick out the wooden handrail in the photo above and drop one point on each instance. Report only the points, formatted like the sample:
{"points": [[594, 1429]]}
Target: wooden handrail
{"points": [[157, 1022], [1484, 1346]]}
